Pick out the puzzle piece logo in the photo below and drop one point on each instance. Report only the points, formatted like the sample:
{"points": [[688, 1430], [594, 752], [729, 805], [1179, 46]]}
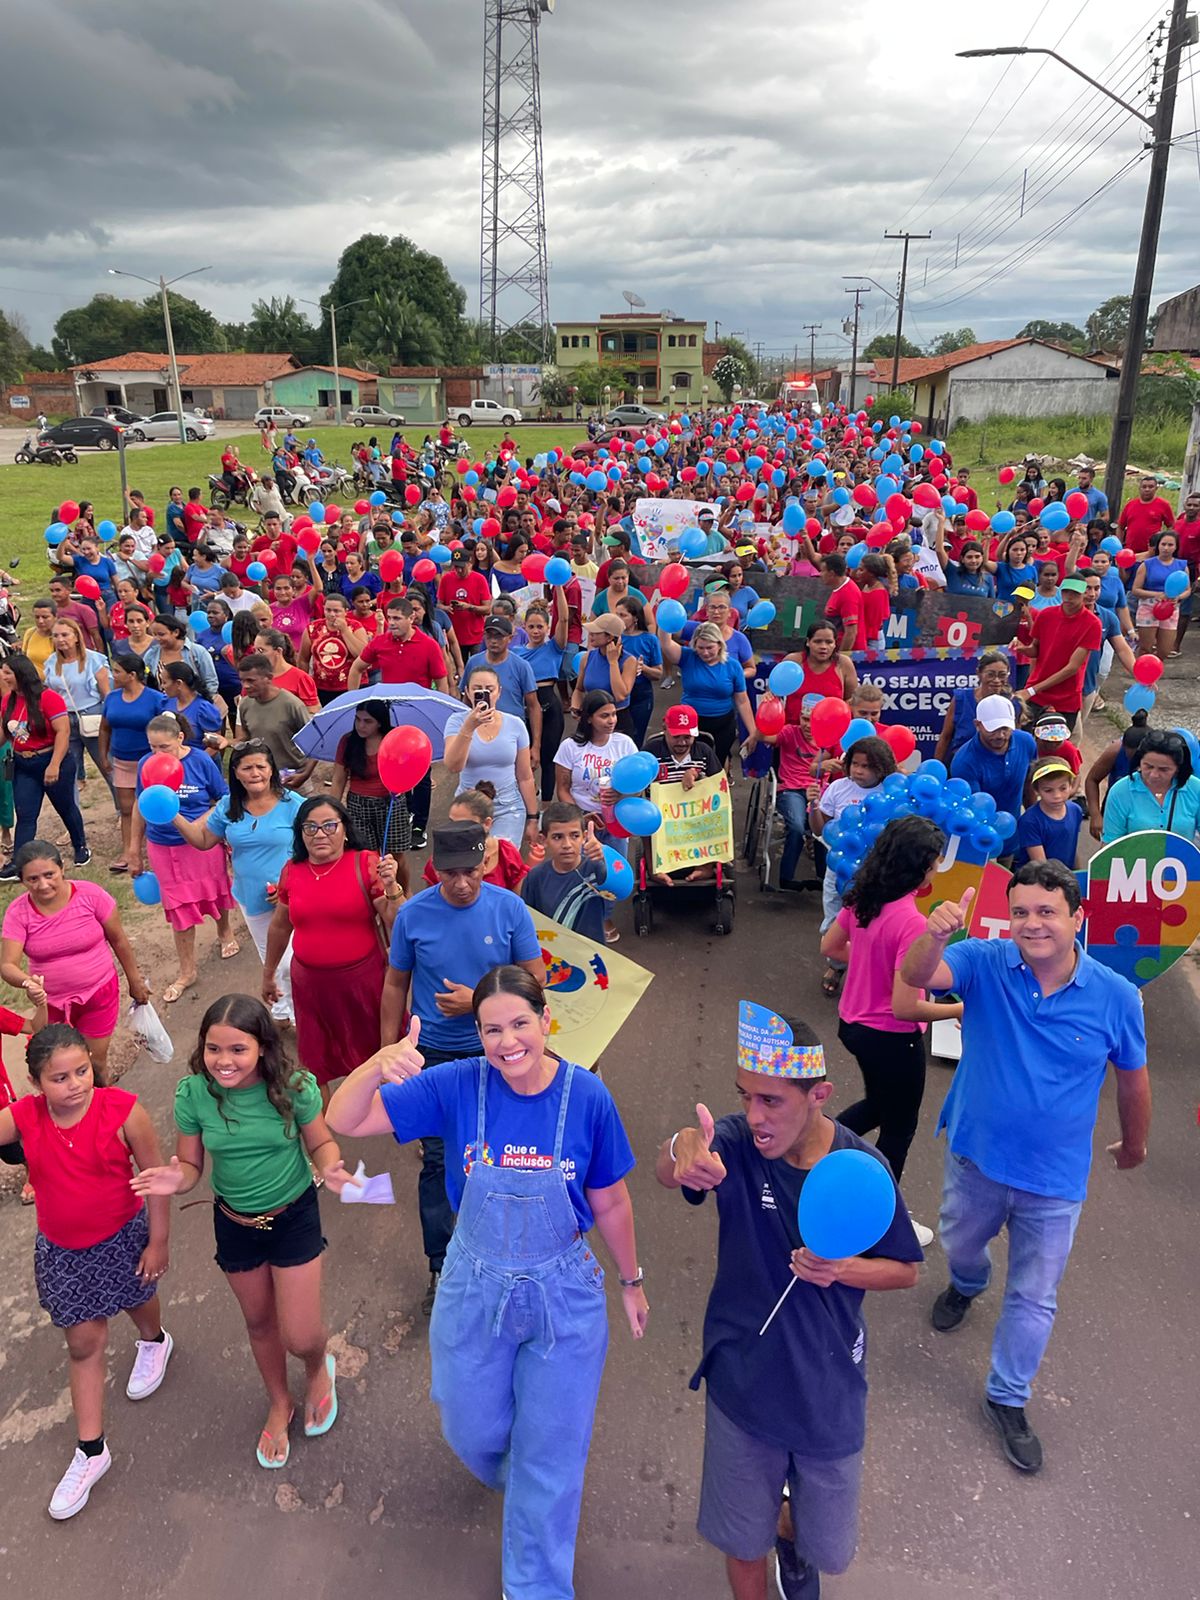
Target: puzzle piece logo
{"points": [[1143, 904], [958, 632]]}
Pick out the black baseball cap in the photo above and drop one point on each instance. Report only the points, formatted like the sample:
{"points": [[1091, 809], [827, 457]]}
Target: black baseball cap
{"points": [[498, 624], [458, 846]]}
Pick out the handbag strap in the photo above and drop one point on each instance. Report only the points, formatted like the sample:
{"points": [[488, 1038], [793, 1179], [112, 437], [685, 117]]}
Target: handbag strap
{"points": [[362, 884]]}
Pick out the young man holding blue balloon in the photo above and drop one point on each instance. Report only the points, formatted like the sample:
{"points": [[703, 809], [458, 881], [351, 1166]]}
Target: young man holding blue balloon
{"points": [[810, 1218]]}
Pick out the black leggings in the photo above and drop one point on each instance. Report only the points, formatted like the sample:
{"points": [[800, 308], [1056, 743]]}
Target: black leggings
{"points": [[552, 734], [724, 731], [893, 1069]]}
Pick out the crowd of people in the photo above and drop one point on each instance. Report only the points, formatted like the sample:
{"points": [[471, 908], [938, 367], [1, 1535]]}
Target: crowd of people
{"points": [[206, 649]]}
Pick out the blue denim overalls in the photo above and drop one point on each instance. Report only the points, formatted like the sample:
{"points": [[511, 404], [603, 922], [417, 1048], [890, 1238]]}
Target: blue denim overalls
{"points": [[518, 1339]]}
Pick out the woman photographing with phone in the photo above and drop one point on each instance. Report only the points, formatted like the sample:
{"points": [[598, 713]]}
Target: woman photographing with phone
{"points": [[487, 744]]}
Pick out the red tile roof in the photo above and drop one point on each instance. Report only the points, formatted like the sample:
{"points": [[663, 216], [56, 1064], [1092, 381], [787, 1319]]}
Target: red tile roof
{"points": [[207, 371], [915, 369]]}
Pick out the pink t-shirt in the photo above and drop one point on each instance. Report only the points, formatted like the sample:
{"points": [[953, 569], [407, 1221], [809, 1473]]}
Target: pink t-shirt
{"points": [[68, 949], [796, 754], [876, 952], [294, 617]]}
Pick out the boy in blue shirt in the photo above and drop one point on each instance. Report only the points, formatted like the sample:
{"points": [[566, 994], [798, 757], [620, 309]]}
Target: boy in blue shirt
{"points": [[566, 886], [1049, 830]]}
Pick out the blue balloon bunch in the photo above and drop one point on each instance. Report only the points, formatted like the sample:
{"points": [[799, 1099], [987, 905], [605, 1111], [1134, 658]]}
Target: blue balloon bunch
{"points": [[928, 792]]}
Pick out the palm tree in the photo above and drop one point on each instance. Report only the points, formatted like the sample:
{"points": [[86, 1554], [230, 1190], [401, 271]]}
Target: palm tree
{"points": [[395, 331], [277, 324]]}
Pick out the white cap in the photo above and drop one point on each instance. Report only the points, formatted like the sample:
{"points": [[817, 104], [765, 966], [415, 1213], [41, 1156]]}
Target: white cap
{"points": [[995, 711]]}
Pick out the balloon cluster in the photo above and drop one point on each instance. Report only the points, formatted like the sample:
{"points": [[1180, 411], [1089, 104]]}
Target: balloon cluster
{"points": [[928, 792]]}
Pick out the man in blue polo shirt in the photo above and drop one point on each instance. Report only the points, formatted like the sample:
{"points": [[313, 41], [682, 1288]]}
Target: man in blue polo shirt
{"points": [[997, 758], [1041, 1021], [443, 941]]}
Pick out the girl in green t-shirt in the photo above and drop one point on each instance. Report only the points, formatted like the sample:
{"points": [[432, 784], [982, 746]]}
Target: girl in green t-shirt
{"points": [[259, 1120]]}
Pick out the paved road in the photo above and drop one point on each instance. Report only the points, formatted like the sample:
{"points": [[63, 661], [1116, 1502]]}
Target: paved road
{"points": [[380, 1508]]}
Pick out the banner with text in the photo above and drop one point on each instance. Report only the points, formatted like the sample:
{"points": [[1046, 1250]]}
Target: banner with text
{"points": [[659, 523], [697, 824]]}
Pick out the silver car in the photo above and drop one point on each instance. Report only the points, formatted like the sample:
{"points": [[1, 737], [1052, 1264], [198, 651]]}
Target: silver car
{"points": [[375, 417], [165, 425]]}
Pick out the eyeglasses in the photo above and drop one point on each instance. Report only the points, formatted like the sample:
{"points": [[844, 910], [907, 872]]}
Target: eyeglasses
{"points": [[247, 746], [310, 830]]}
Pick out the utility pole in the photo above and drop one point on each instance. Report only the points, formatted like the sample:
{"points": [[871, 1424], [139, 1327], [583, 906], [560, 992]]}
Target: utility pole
{"points": [[333, 311], [162, 285], [907, 237], [812, 329], [858, 294]]}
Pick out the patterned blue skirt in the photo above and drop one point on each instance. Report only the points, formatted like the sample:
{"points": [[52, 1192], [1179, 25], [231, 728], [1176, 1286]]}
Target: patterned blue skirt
{"points": [[99, 1282]]}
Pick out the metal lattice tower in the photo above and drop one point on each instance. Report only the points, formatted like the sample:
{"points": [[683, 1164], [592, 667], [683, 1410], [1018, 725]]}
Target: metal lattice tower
{"points": [[512, 245]]}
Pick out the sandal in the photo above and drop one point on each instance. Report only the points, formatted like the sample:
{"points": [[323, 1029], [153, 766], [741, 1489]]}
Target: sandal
{"points": [[173, 990], [28, 1198], [611, 935], [230, 949], [314, 1430], [831, 982], [271, 1438], [119, 866]]}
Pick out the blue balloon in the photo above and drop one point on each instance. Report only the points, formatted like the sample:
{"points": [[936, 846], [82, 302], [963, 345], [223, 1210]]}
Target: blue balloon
{"points": [[471, 477], [429, 469], [378, 498], [937, 447], [916, 453], [760, 615], [692, 542], [885, 487], [950, 506], [779, 478], [578, 479], [611, 473], [935, 769], [146, 889], [440, 554], [477, 527], [702, 469], [316, 512], [632, 774], [754, 463], [638, 815], [596, 481], [793, 519], [256, 572], [1193, 744], [860, 728], [660, 447], [558, 572], [878, 453], [854, 555], [227, 627], [984, 806], [56, 533], [106, 529], [877, 427], [985, 839], [896, 784], [847, 1204], [957, 792], [1177, 585], [1054, 517], [1003, 522], [841, 497], [398, 517], [198, 621], [1004, 823], [719, 469], [1139, 697], [158, 803], [645, 464], [618, 879], [924, 786], [1111, 545], [817, 469], [893, 466], [893, 422], [670, 616], [785, 678]]}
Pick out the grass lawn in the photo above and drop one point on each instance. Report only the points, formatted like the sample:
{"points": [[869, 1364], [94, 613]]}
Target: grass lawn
{"points": [[1158, 443]]}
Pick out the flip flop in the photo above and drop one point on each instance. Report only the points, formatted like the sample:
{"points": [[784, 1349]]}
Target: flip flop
{"points": [[264, 1461], [316, 1429], [230, 949], [173, 991]]}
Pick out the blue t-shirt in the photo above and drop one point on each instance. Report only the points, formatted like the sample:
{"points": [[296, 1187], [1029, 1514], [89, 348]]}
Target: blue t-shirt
{"points": [[105, 573], [737, 647], [960, 581], [1003, 777], [646, 649], [205, 580], [1110, 629], [227, 674], [1112, 590], [202, 717], [509, 582], [176, 526], [709, 688], [369, 581], [260, 847], [1097, 503], [1010, 578], [516, 680], [1023, 1102], [1058, 838], [434, 940], [571, 898], [543, 660], [443, 1102], [803, 1384], [128, 718], [203, 785], [597, 675]]}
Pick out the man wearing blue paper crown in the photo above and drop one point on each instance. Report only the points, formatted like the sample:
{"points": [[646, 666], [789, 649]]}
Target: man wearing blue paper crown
{"points": [[786, 1373]]}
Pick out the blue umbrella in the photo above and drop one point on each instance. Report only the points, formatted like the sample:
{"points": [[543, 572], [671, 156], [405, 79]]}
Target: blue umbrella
{"points": [[411, 705]]}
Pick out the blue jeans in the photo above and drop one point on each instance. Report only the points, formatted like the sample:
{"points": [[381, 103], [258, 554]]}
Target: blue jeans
{"points": [[29, 790], [831, 904], [1040, 1233], [793, 808]]}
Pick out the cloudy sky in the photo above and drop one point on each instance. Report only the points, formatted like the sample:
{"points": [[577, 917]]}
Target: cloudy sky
{"points": [[731, 161]]}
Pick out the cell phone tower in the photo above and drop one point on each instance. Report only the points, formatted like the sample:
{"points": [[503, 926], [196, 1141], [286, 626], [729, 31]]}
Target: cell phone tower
{"points": [[513, 287]]}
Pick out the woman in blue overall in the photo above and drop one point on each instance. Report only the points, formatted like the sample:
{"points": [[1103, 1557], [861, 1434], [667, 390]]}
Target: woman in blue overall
{"points": [[520, 1326]]}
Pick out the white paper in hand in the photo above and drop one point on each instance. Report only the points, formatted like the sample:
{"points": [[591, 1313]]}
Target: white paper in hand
{"points": [[375, 1191]]}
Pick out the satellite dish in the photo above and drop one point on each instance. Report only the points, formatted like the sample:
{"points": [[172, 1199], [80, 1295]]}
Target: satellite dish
{"points": [[632, 299], [669, 315]]}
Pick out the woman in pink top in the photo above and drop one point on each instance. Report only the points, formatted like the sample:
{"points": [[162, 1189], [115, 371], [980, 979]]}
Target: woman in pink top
{"points": [[68, 931], [882, 1017]]}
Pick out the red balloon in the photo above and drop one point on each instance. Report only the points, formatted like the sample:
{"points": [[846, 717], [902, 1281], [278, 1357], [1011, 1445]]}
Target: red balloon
{"points": [[68, 511], [332, 513], [813, 528], [88, 586], [1006, 474], [156, 562], [830, 720], [308, 539], [961, 493], [1077, 504], [300, 523], [534, 566], [424, 571], [1125, 558], [360, 506], [673, 581], [926, 495], [770, 716], [269, 558], [405, 756], [914, 427], [469, 491], [732, 457], [745, 491], [898, 509], [490, 528], [506, 497], [880, 535], [162, 768], [903, 741], [1148, 669], [412, 495], [863, 495], [977, 521], [688, 474], [1162, 608], [463, 467], [1035, 506], [868, 400], [391, 566]]}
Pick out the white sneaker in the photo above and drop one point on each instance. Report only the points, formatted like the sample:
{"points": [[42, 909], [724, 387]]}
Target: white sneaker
{"points": [[924, 1234], [149, 1366], [76, 1483]]}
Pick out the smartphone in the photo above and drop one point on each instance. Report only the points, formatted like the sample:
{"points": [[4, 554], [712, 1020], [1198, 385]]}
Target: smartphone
{"points": [[481, 700]]}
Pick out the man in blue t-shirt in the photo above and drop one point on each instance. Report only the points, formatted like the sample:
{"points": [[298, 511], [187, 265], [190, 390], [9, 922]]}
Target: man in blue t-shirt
{"points": [[787, 1393], [443, 941], [996, 760], [1041, 1021]]}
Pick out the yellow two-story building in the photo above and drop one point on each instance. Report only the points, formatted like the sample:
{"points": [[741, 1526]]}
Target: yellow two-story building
{"points": [[661, 357]]}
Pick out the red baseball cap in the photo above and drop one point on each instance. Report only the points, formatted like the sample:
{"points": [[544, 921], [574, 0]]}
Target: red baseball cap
{"points": [[681, 719]]}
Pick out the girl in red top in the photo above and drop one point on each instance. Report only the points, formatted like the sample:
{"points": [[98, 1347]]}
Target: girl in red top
{"points": [[874, 575], [36, 720], [98, 1250], [825, 671], [502, 861]]}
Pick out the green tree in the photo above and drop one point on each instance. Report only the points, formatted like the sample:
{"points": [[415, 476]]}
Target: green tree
{"points": [[279, 326], [397, 332], [953, 339], [555, 388], [592, 377], [106, 326], [1108, 325], [741, 353], [13, 348], [883, 345], [396, 270], [1065, 333], [727, 373], [196, 331]]}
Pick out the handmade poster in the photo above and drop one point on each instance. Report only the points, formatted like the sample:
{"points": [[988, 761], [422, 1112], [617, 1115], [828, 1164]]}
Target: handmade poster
{"points": [[591, 991], [659, 523], [697, 824], [1143, 903]]}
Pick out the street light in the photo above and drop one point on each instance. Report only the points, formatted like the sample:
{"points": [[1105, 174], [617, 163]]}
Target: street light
{"points": [[162, 285], [1181, 31], [333, 311]]}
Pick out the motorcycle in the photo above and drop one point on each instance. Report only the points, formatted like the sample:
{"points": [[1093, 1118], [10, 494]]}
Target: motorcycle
{"points": [[218, 492], [44, 453]]}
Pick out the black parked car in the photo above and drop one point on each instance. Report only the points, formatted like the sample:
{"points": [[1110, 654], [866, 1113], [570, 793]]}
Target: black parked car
{"points": [[117, 414], [83, 433]]}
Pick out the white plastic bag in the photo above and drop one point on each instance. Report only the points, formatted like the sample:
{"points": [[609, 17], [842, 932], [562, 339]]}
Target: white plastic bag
{"points": [[146, 1024]]}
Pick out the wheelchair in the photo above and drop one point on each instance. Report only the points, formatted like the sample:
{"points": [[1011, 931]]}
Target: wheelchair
{"points": [[720, 891], [762, 840]]}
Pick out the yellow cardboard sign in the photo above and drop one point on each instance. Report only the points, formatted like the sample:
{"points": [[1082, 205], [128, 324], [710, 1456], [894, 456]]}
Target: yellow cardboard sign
{"points": [[590, 990], [697, 824]]}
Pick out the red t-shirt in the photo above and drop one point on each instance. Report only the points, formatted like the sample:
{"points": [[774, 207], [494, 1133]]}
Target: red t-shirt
{"points": [[239, 565], [370, 782], [574, 611], [1058, 637], [194, 517], [285, 548], [300, 684], [508, 873], [1063, 750], [330, 659], [1189, 539], [80, 1175], [1141, 519], [846, 602], [473, 589], [332, 924], [825, 681], [876, 609], [24, 740], [417, 659]]}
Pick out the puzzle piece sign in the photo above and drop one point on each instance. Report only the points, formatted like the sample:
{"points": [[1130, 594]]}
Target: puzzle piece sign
{"points": [[1143, 903]]}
